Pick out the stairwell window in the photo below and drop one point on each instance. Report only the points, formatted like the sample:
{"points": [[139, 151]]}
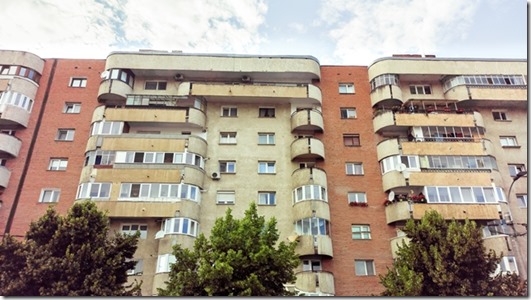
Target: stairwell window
{"points": [[49, 195], [364, 267], [65, 135], [351, 140], [348, 113], [356, 197], [346, 88], [361, 232], [72, 108], [78, 82], [354, 168], [57, 164]]}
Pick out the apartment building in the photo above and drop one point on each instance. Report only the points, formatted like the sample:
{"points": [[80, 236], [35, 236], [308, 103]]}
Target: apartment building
{"points": [[165, 142], [453, 139]]}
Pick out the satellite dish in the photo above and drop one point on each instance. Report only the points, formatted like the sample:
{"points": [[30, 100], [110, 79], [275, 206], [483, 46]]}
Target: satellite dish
{"points": [[104, 74], [401, 168], [391, 196]]}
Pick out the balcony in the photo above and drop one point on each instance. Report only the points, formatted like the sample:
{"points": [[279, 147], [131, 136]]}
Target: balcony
{"points": [[13, 116], [463, 93], [304, 209], [113, 90], [400, 212], [307, 119], [307, 148], [315, 282], [397, 241], [306, 176], [322, 245], [446, 146], [190, 116], [5, 174], [395, 179], [387, 95], [151, 173], [499, 243], [143, 209], [166, 243], [9, 146]]}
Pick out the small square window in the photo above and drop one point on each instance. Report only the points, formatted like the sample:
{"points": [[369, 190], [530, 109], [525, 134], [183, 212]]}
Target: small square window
{"points": [[78, 82], [49, 195], [227, 167], [351, 140], [356, 197], [225, 197], [267, 198], [522, 200], [364, 267], [65, 135], [266, 167], [229, 112], [266, 138], [58, 164], [514, 169], [348, 113], [354, 168], [508, 141], [227, 137], [266, 112], [72, 108], [346, 88], [500, 116], [361, 232]]}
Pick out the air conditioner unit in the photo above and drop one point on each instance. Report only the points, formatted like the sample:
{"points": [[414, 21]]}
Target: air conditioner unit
{"points": [[246, 78], [215, 176], [178, 76]]}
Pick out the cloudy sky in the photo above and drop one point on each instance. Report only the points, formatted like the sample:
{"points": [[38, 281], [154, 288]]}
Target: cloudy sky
{"points": [[354, 32]]}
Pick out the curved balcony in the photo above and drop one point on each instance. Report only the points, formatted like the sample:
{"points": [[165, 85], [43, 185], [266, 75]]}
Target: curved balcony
{"points": [[395, 179], [384, 120], [190, 116], [387, 148], [498, 243], [22, 58], [463, 93], [304, 209], [166, 243], [113, 90], [307, 119], [197, 145], [397, 241], [315, 282], [388, 95], [306, 176], [307, 246], [9, 145], [13, 116], [5, 174], [307, 148], [401, 212]]}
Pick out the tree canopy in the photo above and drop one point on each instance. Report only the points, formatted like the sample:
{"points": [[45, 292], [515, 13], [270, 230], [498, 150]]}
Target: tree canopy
{"points": [[238, 259], [447, 258], [70, 255]]}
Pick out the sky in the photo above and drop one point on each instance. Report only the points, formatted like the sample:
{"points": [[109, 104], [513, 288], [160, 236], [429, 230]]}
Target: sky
{"points": [[336, 32]]}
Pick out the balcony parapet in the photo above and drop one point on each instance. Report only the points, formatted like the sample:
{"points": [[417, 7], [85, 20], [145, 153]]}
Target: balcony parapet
{"points": [[486, 94], [321, 246], [5, 174], [9, 145], [315, 282], [307, 119], [388, 93], [307, 176], [13, 116], [307, 148]]}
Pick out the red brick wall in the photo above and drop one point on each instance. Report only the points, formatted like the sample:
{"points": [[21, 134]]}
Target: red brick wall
{"points": [[38, 177], [346, 250]]}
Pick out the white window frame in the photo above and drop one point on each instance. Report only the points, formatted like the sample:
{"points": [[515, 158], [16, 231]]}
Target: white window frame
{"points": [[361, 231], [107, 128], [164, 263], [500, 115], [85, 189], [58, 164], [514, 169], [420, 89], [227, 166], [348, 113], [65, 134], [159, 85], [72, 108], [225, 197], [133, 228], [312, 226], [267, 198], [310, 192], [266, 138], [49, 195], [354, 168], [507, 264], [508, 141], [159, 191], [362, 269], [78, 82], [227, 138], [357, 197], [351, 138], [463, 194], [347, 88], [183, 226], [522, 200], [266, 167], [229, 111]]}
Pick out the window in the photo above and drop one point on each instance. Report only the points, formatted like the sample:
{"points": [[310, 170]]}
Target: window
{"points": [[58, 164], [312, 226], [78, 82], [364, 267], [354, 168], [159, 192], [266, 198], [266, 138], [346, 88], [225, 197], [49, 195], [514, 169], [184, 226], [229, 111], [361, 232], [356, 197], [266, 112], [311, 265], [463, 194], [348, 113], [107, 128], [351, 140], [65, 135], [72, 108], [94, 190], [500, 116], [385, 79], [164, 262], [310, 192], [266, 167], [155, 85], [227, 137], [137, 270], [227, 167], [131, 229], [507, 264], [420, 89], [522, 200], [508, 141]]}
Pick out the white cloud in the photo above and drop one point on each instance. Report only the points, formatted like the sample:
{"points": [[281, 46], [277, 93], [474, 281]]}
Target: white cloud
{"points": [[366, 30]]}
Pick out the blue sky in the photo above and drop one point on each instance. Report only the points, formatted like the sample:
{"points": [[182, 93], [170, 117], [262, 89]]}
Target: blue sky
{"points": [[351, 32]]}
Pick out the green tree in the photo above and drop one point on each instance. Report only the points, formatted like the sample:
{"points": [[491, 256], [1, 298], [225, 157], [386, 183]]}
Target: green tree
{"points": [[70, 255], [239, 259], [447, 258]]}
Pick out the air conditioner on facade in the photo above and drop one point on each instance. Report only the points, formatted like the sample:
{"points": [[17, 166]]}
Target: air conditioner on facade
{"points": [[246, 78], [178, 76], [215, 176]]}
